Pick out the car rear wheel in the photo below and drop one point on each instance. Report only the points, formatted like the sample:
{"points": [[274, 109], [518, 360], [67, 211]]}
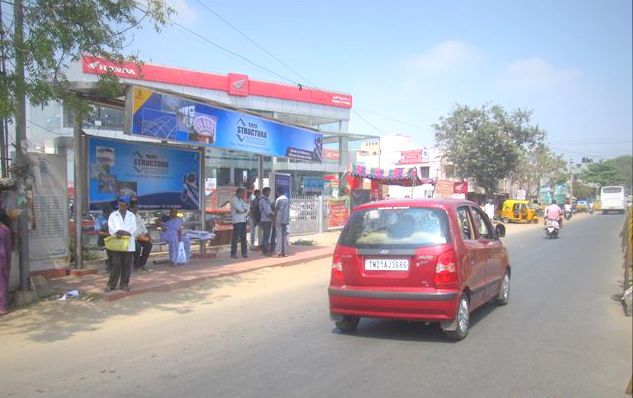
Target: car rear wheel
{"points": [[348, 324], [462, 320], [504, 291]]}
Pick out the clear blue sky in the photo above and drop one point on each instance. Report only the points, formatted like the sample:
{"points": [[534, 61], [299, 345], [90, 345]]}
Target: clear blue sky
{"points": [[568, 61]]}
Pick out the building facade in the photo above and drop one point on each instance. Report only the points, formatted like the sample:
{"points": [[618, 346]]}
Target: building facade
{"points": [[323, 110]]}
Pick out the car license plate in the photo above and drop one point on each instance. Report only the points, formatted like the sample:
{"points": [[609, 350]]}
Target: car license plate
{"points": [[387, 265]]}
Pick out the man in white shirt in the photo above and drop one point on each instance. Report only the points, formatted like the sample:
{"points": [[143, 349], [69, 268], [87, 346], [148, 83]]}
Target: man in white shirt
{"points": [[282, 219], [122, 223], [238, 219], [489, 209]]}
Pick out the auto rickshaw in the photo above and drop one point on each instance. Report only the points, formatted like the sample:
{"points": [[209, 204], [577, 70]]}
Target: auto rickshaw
{"points": [[518, 211]]}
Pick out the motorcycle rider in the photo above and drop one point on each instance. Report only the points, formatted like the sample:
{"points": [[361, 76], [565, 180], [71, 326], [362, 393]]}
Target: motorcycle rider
{"points": [[553, 212], [568, 210]]}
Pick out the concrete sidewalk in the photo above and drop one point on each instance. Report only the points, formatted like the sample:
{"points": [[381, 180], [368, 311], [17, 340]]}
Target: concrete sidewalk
{"points": [[163, 278]]}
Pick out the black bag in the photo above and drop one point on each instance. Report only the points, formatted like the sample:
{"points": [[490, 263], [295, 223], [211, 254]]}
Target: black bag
{"points": [[256, 214]]}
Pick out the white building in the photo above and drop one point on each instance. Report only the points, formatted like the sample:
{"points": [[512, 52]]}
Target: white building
{"points": [[398, 151]]}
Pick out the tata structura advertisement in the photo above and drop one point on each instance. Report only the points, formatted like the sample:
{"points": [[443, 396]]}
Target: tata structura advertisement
{"points": [[173, 118], [160, 176]]}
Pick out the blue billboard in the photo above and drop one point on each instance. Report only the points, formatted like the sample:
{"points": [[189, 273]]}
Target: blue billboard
{"points": [[173, 118], [161, 177]]}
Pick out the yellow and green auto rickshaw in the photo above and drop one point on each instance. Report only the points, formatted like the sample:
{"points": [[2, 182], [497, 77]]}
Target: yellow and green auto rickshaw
{"points": [[514, 210]]}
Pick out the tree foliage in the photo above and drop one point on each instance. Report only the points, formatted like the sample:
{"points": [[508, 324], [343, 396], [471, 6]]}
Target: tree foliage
{"points": [[486, 143], [539, 166], [60, 31], [615, 171]]}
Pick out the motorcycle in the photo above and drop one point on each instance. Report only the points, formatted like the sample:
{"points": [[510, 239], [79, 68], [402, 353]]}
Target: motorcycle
{"points": [[568, 214], [552, 228]]}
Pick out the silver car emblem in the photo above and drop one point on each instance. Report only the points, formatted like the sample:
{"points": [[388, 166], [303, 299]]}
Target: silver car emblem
{"points": [[384, 251]]}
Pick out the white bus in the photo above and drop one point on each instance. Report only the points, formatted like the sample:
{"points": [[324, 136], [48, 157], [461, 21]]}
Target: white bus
{"points": [[613, 198]]}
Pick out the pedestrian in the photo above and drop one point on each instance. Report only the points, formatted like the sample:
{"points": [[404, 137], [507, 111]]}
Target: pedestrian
{"points": [[255, 218], [122, 223], [172, 234], [101, 227], [266, 218], [5, 261], [143, 240], [273, 231], [238, 219], [282, 219], [489, 209]]}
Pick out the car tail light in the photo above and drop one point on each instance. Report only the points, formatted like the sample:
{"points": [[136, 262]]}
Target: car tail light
{"points": [[446, 268], [337, 270]]}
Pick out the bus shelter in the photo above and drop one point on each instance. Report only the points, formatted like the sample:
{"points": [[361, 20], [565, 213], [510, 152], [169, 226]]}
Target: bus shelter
{"points": [[163, 162]]}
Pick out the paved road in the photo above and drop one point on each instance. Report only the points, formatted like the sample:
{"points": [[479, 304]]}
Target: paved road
{"points": [[267, 334]]}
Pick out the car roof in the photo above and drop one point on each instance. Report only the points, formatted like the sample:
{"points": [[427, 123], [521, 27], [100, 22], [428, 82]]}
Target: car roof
{"points": [[433, 203]]}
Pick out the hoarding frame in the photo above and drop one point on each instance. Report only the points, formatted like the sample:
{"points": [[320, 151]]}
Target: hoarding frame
{"points": [[93, 204]]}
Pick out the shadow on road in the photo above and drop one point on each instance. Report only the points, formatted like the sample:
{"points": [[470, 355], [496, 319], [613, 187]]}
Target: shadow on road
{"points": [[413, 331], [51, 321]]}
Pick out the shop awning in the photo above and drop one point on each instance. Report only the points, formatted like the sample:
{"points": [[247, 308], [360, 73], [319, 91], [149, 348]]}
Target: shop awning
{"points": [[405, 177]]}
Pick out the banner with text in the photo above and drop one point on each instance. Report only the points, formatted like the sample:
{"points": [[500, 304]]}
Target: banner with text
{"points": [[161, 177], [173, 118]]}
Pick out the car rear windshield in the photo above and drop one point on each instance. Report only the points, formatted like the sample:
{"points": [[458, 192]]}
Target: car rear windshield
{"points": [[611, 189], [409, 226]]}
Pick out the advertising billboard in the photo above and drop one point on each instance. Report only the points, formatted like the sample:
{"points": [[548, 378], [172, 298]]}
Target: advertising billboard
{"points": [[173, 118], [281, 184], [161, 177]]}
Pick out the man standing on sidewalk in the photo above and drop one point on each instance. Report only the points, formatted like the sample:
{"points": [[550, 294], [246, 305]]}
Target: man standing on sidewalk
{"points": [[282, 219], [255, 218], [122, 223], [143, 240], [266, 219], [238, 218]]}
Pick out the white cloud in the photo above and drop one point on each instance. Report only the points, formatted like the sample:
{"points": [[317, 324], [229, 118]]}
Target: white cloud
{"points": [[445, 56], [536, 74], [185, 14]]}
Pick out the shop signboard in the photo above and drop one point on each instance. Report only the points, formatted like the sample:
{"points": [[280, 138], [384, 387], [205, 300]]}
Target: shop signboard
{"points": [[443, 188], [460, 187], [160, 176], [331, 155], [521, 194], [173, 118], [313, 184], [414, 156], [338, 212]]}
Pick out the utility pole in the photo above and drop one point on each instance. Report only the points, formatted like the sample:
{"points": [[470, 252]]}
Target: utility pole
{"points": [[21, 158], [571, 181], [4, 162], [79, 187]]}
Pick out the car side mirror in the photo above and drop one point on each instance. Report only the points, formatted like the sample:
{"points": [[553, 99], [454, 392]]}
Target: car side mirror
{"points": [[500, 230]]}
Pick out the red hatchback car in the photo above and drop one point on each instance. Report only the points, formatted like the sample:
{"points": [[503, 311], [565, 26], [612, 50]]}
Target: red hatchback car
{"points": [[418, 260]]}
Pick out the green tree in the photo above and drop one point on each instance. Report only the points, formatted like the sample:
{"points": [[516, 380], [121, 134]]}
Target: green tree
{"points": [[583, 191], [539, 166], [46, 35], [602, 173], [624, 165], [53, 33], [486, 143]]}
